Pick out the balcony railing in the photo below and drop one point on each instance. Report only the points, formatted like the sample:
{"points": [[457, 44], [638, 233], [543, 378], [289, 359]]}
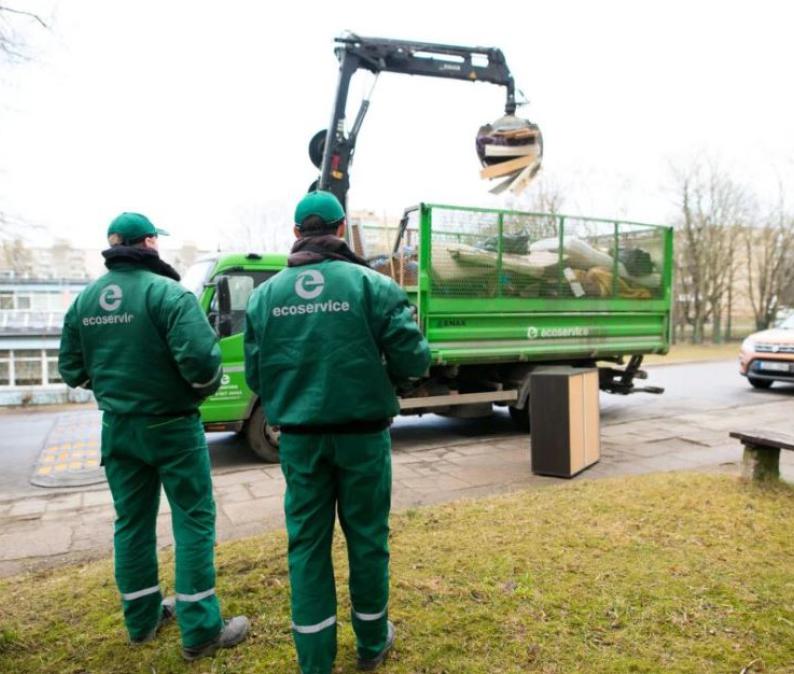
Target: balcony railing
{"points": [[25, 321]]}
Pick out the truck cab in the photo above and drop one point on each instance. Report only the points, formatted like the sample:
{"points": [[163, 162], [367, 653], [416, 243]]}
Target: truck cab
{"points": [[234, 407]]}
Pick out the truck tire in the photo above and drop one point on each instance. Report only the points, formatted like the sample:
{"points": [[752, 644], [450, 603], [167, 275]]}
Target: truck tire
{"points": [[759, 383], [263, 439], [520, 417]]}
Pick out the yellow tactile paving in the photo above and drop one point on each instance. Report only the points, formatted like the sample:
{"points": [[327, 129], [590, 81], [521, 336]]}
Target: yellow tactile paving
{"points": [[71, 451]]}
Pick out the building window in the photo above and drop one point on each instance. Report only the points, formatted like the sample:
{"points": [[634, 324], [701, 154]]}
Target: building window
{"points": [[6, 300], [53, 376], [5, 368], [28, 367], [45, 301]]}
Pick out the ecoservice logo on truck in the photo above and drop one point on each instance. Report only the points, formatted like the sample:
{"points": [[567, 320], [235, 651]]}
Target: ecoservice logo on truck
{"points": [[534, 332]]}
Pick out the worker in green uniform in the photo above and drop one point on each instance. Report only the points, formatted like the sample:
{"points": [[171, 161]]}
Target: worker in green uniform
{"points": [[141, 342], [326, 340]]}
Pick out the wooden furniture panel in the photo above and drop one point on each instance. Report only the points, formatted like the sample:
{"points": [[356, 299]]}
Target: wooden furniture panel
{"points": [[564, 416]]}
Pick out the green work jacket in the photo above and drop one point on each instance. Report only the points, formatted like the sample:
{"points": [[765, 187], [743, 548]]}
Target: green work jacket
{"points": [[325, 343], [141, 342]]}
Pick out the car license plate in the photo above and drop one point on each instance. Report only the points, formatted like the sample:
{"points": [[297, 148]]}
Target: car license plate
{"points": [[774, 367]]}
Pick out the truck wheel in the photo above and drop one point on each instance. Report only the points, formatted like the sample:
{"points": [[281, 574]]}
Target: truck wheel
{"points": [[262, 438], [759, 383], [520, 418]]}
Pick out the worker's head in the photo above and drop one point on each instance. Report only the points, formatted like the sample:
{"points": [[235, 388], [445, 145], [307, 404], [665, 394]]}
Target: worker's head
{"points": [[319, 213], [133, 229]]}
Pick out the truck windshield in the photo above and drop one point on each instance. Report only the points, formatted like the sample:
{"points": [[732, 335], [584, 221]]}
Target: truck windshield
{"points": [[196, 276]]}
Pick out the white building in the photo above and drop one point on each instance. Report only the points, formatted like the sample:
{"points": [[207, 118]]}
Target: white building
{"points": [[37, 286], [31, 319]]}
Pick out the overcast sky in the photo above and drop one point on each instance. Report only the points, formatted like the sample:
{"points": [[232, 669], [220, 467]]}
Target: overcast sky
{"points": [[199, 114]]}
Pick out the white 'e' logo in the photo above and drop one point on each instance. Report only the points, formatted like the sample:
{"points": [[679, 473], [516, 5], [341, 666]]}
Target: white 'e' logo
{"points": [[110, 297], [309, 284]]}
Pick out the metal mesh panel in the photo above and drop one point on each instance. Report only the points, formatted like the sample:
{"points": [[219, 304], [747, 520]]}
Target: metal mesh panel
{"points": [[641, 252], [464, 253], [378, 239], [504, 254], [528, 273], [401, 265], [588, 259], [487, 254]]}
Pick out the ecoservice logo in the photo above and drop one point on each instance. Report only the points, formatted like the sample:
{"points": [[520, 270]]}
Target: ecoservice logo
{"points": [[309, 284]]}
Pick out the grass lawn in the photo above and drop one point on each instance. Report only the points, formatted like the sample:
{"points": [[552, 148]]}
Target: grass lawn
{"points": [[682, 572]]}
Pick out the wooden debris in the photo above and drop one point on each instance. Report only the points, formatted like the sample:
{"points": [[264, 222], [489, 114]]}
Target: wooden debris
{"points": [[505, 167], [518, 133], [522, 180], [502, 186], [510, 148]]}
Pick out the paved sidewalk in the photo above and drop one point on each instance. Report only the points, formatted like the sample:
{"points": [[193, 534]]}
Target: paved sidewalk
{"points": [[57, 528]]}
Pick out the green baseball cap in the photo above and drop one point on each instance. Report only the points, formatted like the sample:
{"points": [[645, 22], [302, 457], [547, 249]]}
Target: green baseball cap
{"points": [[322, 204], [131, 226]]}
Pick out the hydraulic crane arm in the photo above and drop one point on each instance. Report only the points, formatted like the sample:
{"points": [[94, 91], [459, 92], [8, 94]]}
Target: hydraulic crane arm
{"points": [[474, 64]]}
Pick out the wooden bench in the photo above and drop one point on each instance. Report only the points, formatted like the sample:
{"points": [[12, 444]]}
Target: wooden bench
{"points": [[761, 459]]}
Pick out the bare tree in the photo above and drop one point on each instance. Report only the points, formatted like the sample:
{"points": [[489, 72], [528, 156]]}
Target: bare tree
{"points": [[16, 257], [770, 263], [13, 23], [261, 228], [712, 209], [184, 257], [545, 196], [14, 48]]}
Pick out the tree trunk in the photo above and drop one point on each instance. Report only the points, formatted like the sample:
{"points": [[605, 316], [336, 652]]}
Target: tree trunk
{"points": [[729, 316], [716, 333]]}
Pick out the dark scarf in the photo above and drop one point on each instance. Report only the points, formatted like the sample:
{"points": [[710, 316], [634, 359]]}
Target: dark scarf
{"points": [[313, 249], [139, 257]]}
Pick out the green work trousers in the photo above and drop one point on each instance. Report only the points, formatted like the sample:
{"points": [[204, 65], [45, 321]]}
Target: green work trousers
{"points": [[325, 474], [140, 453]]}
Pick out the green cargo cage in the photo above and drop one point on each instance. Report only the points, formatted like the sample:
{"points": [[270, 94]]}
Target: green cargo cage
{"points": [[535, 285]]}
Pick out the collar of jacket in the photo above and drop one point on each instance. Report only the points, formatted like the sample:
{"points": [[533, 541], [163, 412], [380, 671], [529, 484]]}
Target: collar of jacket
{"points": [[130, 256], [313, 249]]}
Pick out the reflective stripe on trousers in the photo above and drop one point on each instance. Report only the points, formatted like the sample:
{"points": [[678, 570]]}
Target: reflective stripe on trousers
{"points": [[317, 627], [131, 596], [369, 617], [198, 596]]}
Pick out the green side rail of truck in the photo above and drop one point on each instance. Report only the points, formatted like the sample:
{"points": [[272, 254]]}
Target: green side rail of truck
{"points": [[498, 293]]}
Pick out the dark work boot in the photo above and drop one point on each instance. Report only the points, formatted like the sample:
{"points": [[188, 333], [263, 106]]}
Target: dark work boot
{"points": [[233, 632], [369, 665], [167, 613]]}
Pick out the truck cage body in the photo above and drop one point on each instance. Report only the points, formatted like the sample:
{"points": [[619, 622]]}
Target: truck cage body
{"points": [[508, 286]]}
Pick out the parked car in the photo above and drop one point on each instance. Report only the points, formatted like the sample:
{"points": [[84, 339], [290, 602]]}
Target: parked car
{"points": [[768, 356]]}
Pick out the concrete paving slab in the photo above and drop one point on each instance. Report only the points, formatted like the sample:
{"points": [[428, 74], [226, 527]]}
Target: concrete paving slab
{"points": [[434, 483], [43, 540], [237, 493], [28, 508], [253, 510], [64, 502], [95, 498], [263, 488]]}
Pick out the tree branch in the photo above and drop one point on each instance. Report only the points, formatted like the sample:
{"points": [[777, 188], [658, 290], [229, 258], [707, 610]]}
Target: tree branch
{"points": [[22, 12]]}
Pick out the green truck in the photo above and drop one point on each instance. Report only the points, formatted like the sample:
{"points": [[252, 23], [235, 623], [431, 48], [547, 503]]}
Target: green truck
{"points": [[497, 294]]}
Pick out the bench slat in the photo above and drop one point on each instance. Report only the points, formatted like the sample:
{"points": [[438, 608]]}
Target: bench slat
{"points": [[772, 439]]}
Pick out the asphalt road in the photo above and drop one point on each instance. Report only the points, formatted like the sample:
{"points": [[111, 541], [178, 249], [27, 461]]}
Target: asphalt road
{"points": [[689, 388]]}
